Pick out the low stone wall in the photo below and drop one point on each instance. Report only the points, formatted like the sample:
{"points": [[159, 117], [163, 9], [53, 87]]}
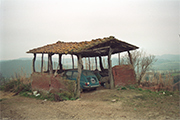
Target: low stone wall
{"points": [[123, 75], [46, 83]]}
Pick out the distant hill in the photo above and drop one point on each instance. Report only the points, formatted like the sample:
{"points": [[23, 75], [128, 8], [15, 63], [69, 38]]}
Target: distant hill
{"points": [[169, 57], [167, 62], [23, 66]]}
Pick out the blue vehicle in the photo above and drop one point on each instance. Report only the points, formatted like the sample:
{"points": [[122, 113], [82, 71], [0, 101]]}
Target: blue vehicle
{"points": [[88, 78]]}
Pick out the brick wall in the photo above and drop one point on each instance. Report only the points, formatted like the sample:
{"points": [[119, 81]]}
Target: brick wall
{"points": [[45, 83], [123, 75]]}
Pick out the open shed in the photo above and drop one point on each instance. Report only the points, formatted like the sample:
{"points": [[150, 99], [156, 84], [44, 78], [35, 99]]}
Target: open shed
{"points": [[94, 48]]}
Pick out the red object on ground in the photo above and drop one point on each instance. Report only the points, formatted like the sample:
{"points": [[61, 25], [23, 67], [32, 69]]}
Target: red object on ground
{"points": [[123, 75]]}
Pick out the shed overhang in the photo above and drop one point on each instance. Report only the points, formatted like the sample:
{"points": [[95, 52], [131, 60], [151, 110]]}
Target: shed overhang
{"points": [[98, 47]]}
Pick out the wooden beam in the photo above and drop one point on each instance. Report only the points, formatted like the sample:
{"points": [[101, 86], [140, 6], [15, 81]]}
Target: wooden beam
{"points": [[78, 89], [100, 63], [119, 58], [130, 58], [89, 63], [110, 69], [50, 63], [72, 61], [96, 49], [42, 63], [34, 59], [96, 62], [60, 64]]}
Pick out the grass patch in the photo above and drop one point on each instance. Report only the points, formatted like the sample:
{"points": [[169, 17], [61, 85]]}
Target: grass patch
{"points": [[2, 99], [123, 88], [25, 90]]}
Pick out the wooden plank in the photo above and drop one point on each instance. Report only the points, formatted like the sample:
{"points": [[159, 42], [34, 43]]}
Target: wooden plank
{"points": [[130, 58], [78, 89], [96, 62], [96, 49], [72, 61], [89, 63], [50, 63], [42, 63], [119, 58], [100, 63], [34, 59], [110, 69], [60, 64]]}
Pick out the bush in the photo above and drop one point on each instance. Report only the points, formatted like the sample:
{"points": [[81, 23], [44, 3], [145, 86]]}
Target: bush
{"points": [[123, 88], [16, 86], [11, 85], [140, 89]]}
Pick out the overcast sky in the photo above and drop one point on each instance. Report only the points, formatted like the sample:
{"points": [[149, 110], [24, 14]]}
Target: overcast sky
{"points": [[153, 25]]}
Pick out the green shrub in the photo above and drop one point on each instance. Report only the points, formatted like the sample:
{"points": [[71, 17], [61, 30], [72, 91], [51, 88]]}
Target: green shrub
{"points": [[123, 88], [131, 87], [149, 91], [140, 89]]}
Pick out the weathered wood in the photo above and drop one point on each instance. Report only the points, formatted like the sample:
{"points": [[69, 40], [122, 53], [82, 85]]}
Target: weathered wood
{"points": [[34, 59], [96, 62], [89, 63], [119, 58], [79, 76], [50, 63], [96, 49], [100, 63], [42, 63], [110, 69], [130, 58], [72, 61], [60, 64]]}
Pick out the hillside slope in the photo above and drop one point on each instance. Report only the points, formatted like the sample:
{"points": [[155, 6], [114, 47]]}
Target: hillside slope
{"points": [[23, 66]]}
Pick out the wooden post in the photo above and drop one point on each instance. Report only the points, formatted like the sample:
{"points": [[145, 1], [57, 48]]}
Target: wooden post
{"points": [[119, 58], [79, 76], [96, 62], [42, 63], [50, 63], [34, 59], [110, 69], [130, 58], [89, 63], [60, 64], [100, 63], [72, 61]]}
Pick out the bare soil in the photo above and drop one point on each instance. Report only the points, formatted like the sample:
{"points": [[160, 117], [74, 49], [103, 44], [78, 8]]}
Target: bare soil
{"points": [[97, 104]]}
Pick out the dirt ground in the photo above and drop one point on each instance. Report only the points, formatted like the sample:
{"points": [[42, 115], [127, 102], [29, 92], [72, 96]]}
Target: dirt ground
{"points": [[97, 104]]}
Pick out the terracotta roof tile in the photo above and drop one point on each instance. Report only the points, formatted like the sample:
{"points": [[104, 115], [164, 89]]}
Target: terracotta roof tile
{"points": [[74, 47]]}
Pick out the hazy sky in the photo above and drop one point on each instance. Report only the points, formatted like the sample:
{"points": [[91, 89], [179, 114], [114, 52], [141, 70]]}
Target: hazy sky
{"points": [[153, 25]]}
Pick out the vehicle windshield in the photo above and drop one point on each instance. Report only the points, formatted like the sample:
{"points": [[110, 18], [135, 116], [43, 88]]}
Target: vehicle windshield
{"points": [[88, 73]]}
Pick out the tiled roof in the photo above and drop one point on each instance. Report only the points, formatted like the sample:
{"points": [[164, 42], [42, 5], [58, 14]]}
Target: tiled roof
{"points": [[78, 47]]}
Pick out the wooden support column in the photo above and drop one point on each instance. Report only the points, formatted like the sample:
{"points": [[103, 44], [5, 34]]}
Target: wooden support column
{"points": [[130, 58], [89, 63], [50, 63], [110, 69], [119, 58], [100, 63], [72, 61], [60, 64], [34, 59], [42, 63], [96, 62], [78, 89]]}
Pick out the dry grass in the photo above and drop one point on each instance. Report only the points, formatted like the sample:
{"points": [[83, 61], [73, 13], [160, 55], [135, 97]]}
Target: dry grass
{"points": [[158, 82]]}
